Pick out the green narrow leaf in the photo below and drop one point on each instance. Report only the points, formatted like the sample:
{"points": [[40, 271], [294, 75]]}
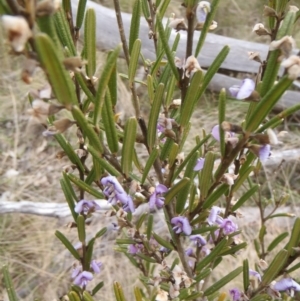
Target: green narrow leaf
{"points": [[170, 91], [81, 228], [101, 232], [153, 156], [109, 124], [261, 297], [163, 242], [205, 29], [221, 283], [113, 85], [67, 244], [141, 220], [150, 87], [97, 288], [68, 149], [12, 296], [293, 268], [63, 31], [242, 178], [182, 184], [68, 192], [274, 268], [145, 9], [212, 255], [146, 258], [80, 13], [128, 145], [246, 274], [73, 296], [135, 25], [103, 163], [90, 42], [191, 99], [163, 7], [206, 174], [173, 153], [245, 197], [58, 76], [103, 82], [295, 237], [182, 197], [154, 113], [138, 294], [87, 129], [215, 196], [86, 296], [149, 226], [222, 111], [134, 60], [89, 254], [276, 241], [165, 45], [267, 103]]}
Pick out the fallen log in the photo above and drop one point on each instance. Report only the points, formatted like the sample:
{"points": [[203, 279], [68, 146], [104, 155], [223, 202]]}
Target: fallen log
{"points": [[237, 60]]}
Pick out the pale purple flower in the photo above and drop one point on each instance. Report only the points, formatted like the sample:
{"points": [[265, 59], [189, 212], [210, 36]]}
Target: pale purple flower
{"points": [[86, 207], [75, 272], [202, 10], [286, 284], [181, 224], [96, 266], [216, 132], [189, 252], [235, 294], [228, 226], [114, 191], [255, 274], [243, 91], [264, 152], [83, 278], [198, 239], [199, 165], [135, 248], [213, 215], [156, 198]]}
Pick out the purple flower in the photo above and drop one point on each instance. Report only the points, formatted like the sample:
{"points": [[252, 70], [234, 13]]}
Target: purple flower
{"points": [[198, 239], [255, 274], [164, 123], [135, 248], [181, 224], [156, 198], [115, 192], [243, 91], [189, 252], [235, 294], [83, 278], [202, 10], [75, 272], [228, 226], [86, 207], [213, 215], [216, 132], [199, 165], [96, 266], [286, 284], [264, 152]]}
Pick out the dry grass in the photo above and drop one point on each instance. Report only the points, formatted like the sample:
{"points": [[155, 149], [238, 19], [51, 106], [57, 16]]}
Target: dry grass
{"points": [[39, 265]]}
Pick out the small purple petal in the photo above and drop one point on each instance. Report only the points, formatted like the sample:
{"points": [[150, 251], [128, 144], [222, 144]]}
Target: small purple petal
{"points": [[96, 266], [199, 165], [235, 294], [129, 206], [255, 274], [75, 272], [198, 239], [228, 226], [189, 251], [213, 215], [264, 152], [181, 225], [246, 89], [160, 188], [156, 199], [216, 132], [234, 90], [286, 284], [85, 206], [83, 278]]}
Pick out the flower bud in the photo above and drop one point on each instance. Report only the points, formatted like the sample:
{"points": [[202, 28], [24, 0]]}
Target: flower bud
{"points": [[269, 11], [178, 24], [254, 56], [228, 178], [62, 125], [191, 65], [74, 63], [17, 30], [229, 127], [260, 29], [292, 64], [46, 7], [285, 44]]}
